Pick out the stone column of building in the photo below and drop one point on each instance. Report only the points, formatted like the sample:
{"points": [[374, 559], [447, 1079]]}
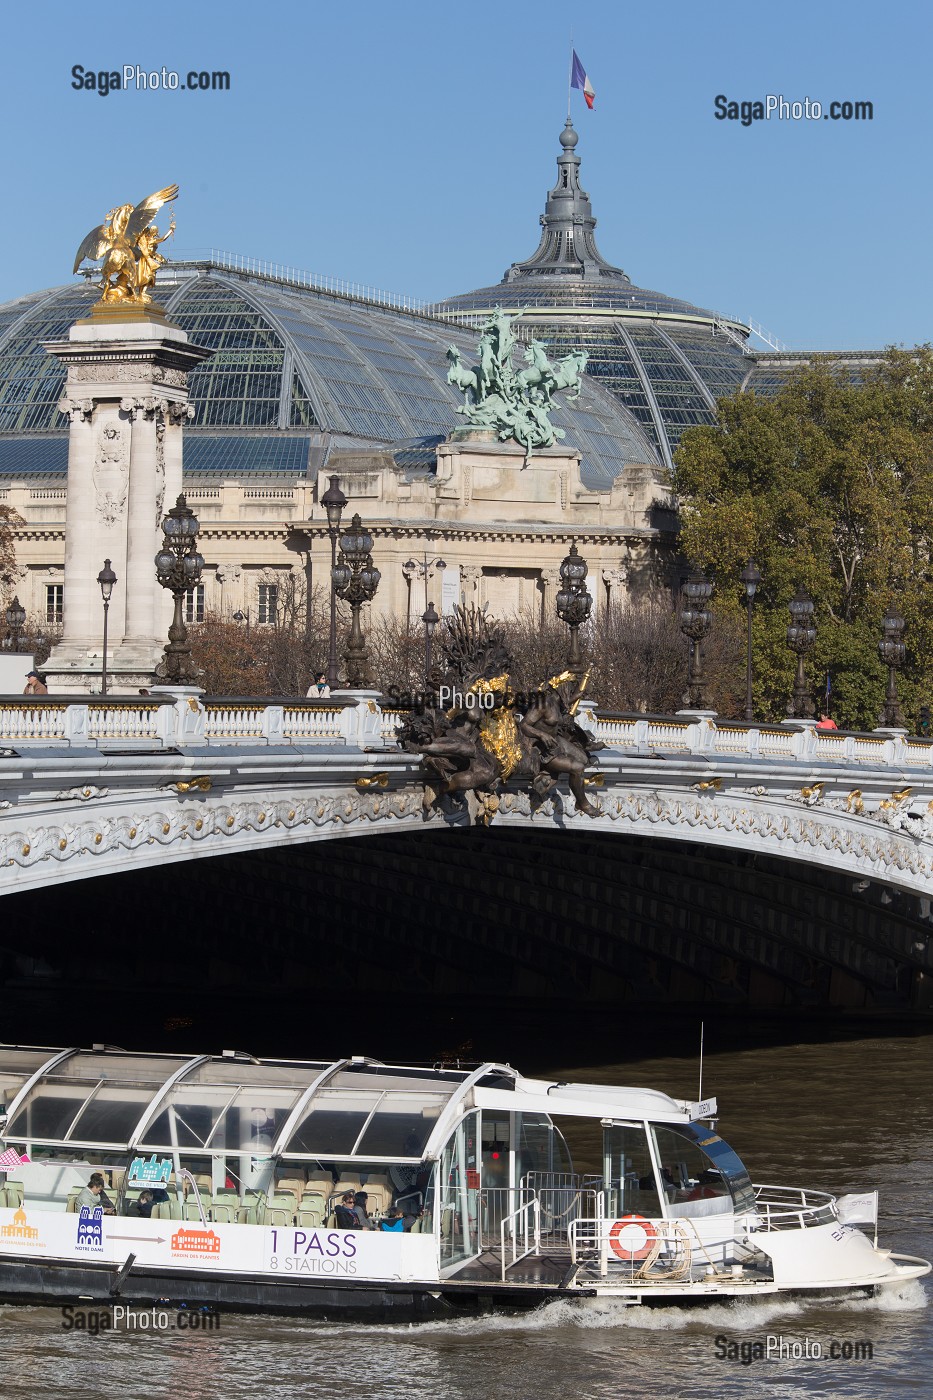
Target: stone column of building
{"points": [[126, 393], [469, 580], [616, 581], [550, 583]]}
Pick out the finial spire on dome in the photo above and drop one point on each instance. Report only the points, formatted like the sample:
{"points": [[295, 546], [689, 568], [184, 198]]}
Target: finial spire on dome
{"points": [[568, 244]]}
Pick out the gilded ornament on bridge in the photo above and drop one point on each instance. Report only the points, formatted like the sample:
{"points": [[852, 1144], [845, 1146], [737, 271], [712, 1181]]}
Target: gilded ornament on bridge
{"points": [[128, 243], [480, 734], [515, 403]]}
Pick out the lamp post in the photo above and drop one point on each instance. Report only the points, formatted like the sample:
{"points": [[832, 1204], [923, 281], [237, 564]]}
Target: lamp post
{"points": [[239, 617], [751, 578], [801, 634], [106, 578], [356, 579], [695, 622], [892, 652], [574, 603], [425, 567], [430, 620], [178, 567], [333, 501], [15, 621]]}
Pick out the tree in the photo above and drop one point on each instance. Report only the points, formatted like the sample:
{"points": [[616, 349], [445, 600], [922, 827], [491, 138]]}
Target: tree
{"points": [[830, 485], [8, 573]]}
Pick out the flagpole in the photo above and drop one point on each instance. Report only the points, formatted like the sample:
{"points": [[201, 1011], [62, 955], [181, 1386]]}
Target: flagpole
{"points": [[569, 75]]}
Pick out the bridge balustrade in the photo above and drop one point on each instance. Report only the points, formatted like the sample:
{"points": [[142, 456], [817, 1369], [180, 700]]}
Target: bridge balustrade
{"points": [[183, 719]]}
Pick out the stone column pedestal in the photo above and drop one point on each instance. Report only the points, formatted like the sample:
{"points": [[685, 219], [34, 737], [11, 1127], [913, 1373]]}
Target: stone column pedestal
{"points": [[126, 394]]}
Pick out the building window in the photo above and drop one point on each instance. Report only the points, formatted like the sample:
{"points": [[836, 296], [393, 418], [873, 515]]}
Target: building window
{"points": [[194, 604], [268, 602], [54, 602]]}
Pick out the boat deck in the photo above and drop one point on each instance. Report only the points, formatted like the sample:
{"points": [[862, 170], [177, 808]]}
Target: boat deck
{"points": [[549, 1269]]}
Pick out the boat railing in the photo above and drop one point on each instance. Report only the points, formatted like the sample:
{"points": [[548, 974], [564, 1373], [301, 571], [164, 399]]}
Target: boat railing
{"points": [[655, 1250], [564, 1197], [494, 1204], [520, 1234], [792, 1208]]}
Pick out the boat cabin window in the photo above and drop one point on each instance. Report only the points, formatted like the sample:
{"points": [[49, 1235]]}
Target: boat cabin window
{"points": [[700, 1174], [628, 1171]]}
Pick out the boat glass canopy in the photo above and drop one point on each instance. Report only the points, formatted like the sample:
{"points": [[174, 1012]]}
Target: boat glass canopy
{"points": [[356, 1109]]}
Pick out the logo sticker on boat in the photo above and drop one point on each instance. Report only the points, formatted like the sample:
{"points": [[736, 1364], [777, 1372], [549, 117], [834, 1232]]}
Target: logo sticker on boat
{"points": [[196, 1243], [19, 1230], [90, 1228]]}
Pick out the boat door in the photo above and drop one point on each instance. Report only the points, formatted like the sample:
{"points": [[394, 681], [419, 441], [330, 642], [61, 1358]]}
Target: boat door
{"points": [[458, 1189]]}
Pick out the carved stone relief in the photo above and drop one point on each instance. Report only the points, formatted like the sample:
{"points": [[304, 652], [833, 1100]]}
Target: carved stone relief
{"points": [[111, 471]]}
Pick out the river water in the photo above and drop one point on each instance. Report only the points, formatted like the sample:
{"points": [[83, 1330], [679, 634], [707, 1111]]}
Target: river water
{"points": [[847, 1116]]}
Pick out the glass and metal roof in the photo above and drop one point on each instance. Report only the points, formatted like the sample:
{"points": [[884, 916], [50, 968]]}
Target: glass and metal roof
{"points": [[231, 1103], [289, 362], [665, 359]]}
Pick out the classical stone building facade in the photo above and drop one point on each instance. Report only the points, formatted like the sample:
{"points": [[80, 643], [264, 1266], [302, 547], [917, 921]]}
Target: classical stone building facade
{"points": [[306, 380]]}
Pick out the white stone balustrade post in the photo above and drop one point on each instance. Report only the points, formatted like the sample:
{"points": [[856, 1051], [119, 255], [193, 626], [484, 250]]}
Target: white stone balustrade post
{"points": [[77, 727], [273, 724]]}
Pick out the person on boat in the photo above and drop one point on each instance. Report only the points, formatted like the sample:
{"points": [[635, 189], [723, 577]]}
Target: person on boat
{"points": [[393, 1220], [94, 1195], [359, 1207], [346, 1216], [148, 1199]]}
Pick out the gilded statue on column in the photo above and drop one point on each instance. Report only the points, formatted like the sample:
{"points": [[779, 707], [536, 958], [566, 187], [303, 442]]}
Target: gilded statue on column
{"points": [[128, 242]]}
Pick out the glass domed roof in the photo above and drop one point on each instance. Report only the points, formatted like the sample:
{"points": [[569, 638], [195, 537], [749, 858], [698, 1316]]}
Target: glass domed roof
{"points": [[664, 358], [289, 364]]}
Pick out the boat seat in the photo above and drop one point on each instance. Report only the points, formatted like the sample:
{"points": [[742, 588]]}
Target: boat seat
{"points": [[312, 1209], [16, 1191], [248, 1213], [168, 1210], [331, 1221], [224, 1214], [191, 1207], [295, 1184], [322, 1184], [280, 1210]]}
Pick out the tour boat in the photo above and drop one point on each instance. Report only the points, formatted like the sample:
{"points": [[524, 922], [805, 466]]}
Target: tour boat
{"points": [[222, 1175]]}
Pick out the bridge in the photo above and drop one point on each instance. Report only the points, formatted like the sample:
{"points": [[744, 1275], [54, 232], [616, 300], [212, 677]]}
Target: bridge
{"points": [[753, 864]]}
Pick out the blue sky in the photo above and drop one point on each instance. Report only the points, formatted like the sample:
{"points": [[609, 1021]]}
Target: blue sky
{"points": [[410, 146]]}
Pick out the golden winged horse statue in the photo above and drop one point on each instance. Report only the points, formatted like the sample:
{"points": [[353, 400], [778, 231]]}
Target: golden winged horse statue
{"points": [[128, 243]]}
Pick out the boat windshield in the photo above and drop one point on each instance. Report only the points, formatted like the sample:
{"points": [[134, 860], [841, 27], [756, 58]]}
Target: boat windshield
{"points": [[700, 1174]]}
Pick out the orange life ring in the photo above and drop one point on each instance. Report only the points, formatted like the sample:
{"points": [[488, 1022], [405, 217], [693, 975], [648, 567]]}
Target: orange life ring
{"points": [[632, 1237]]}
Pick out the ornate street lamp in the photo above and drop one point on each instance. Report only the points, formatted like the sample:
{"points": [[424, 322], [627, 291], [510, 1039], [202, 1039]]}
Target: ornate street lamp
{"points": [[892, 652], [430, 620], [751, 578], [801, 634], [355, 579], [333, 501], [15, 621], [106, 578], [425, 567], [178, 567], [695, 622], [574, 603]]}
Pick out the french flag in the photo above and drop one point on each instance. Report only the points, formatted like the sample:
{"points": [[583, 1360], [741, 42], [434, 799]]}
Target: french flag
{"points": [[579, 79]]}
